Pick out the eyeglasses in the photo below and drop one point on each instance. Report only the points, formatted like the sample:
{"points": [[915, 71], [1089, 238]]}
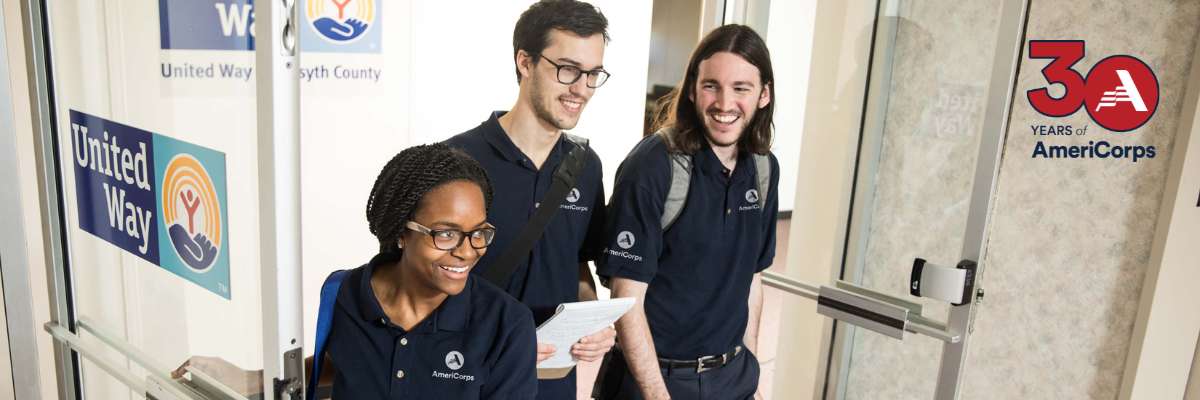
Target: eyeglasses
{"points": [[569, 74], [450, 239]]}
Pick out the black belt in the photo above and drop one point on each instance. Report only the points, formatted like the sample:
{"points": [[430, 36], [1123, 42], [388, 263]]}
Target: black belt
{"points": [[701, 364]]}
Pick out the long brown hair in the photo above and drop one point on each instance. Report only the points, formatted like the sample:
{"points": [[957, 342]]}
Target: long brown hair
{"points": [[677, 110]]}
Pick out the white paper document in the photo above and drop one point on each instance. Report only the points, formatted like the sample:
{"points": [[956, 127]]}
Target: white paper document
{"points": [[572, 322]]}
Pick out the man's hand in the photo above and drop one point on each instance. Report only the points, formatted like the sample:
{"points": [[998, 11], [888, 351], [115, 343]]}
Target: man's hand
{"points": [[636, 343], [545, 351], [592, 347]]}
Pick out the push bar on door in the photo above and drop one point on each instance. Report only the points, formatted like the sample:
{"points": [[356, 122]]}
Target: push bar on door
{"points": [[888, 315]]}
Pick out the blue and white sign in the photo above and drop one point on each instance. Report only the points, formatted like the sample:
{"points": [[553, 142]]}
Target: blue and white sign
{"points": [[206, 24], [159, 198], [331, 26]]}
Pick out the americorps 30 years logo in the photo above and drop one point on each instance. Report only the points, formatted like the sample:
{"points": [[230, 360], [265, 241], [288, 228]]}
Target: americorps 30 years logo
{"points": [[1120, 93]]}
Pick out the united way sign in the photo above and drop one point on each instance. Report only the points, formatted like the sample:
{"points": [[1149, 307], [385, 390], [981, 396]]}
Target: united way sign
{"points": [[156, 197], [330, 26], [206, 24]]}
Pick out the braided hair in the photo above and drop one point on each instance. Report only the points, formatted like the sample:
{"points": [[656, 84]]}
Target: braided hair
{"points": [[406, 179]]}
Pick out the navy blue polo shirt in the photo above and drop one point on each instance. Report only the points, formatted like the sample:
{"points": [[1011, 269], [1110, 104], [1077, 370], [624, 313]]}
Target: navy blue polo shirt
{"points": [[478, 344], [699, 271], [550, 275]]}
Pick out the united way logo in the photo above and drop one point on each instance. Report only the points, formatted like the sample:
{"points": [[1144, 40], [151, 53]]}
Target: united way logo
{"points": [[342, 26], [157, 197], [192, 212]]}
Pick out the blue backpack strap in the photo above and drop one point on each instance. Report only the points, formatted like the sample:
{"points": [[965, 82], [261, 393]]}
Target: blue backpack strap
{"points": [[329, 292]]}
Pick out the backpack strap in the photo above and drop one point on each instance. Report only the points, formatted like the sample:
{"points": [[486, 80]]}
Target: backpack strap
{"points": [[579, 141], [762, 169], [681, 179], [501, 270], [329, 292]]}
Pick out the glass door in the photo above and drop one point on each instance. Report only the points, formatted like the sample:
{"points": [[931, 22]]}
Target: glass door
{"points": [[171, 135], [940, 81]]}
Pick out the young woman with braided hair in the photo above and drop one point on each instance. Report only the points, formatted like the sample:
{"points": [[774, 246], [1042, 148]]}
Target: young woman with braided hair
{"points": [[413, 323]]}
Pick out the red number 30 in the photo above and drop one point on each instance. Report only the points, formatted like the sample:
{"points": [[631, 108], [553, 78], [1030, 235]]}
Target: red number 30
{"points": [[1064, 53], [1120, 92]]}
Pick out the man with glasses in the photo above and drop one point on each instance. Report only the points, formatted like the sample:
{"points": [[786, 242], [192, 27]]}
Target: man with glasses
{"points": [[558, 49]]}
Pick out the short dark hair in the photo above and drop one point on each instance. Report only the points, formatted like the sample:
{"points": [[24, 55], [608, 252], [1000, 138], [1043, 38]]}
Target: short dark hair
{"points": [[677, 110], [532, 33], [407, 178]]}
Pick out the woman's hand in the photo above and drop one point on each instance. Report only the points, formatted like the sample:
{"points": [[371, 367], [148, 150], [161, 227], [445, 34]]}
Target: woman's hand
{"points": [[246, 383], [544, 351]]}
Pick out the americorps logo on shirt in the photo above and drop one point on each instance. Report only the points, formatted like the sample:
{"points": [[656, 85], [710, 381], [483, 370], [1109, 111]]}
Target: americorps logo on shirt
{"points": [[572, 197], [454, 361], [752, 198], [625, 240]]}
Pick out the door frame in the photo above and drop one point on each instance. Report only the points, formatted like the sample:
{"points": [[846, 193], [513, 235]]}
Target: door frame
{"points": [[277, 80], [997, 109]]}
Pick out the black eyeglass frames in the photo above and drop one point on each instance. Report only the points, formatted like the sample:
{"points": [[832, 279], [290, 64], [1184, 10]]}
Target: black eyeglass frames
{"points": [[569, 74], [450, 239]]}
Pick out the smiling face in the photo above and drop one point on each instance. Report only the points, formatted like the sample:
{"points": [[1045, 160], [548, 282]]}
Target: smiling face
{"points": [[453, 205], [554, 103], [727, 93]]}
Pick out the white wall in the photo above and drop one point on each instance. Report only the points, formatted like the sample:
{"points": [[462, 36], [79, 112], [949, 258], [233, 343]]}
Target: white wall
{"points": [[789, 35], [674, 32], [1193, 385], [1167, 321]]}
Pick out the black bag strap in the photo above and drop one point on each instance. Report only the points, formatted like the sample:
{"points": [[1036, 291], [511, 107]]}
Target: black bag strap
{"points": [[564, 179]]}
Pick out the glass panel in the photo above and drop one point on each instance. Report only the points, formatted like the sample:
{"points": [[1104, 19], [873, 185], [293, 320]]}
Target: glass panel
{"points": [[916, 164], [157, 144]]}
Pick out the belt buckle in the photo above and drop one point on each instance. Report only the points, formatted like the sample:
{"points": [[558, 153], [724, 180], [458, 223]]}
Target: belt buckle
{"points": [[700, 362]]}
